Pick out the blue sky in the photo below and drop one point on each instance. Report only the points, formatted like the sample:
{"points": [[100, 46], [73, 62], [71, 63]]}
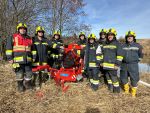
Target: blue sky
{"points": [[123, 15]]}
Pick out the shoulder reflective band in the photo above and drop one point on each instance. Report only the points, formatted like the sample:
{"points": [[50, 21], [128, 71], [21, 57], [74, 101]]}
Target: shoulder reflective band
{"points": [[9, 52], [110, 46], [109, 65]]}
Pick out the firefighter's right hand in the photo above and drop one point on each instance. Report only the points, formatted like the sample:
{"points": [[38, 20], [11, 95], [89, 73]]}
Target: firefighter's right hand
{"points": [[10, 61]]}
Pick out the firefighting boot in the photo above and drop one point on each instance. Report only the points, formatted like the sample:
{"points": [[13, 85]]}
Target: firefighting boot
{"points": [[116, 89], [28, 84], [126, 88], [133, 91], [95, 87], [20, 86], [110, 87]]}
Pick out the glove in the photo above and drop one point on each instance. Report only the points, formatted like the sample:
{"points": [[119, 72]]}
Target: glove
{"points": [[16, 66]]}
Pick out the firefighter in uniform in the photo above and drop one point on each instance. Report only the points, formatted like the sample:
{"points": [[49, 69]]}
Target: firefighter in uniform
{"points": [[18, 51], [112, 58], [129, 68], [82, 43], [93, 57], [57, 50], [102, 41], [40, 50]]}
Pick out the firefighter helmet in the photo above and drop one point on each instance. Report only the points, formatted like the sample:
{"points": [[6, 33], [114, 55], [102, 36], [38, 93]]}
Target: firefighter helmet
{"points": [[81, 34], [21, 25], [56, 33], [92, 36], [103, 31], [112, 31], [40, 28], [130, 33]]}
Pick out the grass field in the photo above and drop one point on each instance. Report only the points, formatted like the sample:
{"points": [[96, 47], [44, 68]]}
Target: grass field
{"points": [[78, 99]]}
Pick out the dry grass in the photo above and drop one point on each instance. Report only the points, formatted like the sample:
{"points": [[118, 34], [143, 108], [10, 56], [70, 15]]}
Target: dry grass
{"points": [[78, 99], [146, 45]]}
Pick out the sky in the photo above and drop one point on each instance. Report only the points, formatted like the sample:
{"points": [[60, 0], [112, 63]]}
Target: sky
{"points": [[123, 15]]}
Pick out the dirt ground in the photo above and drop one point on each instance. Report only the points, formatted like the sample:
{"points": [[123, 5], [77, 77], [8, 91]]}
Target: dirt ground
{"points": [[78, 99]]}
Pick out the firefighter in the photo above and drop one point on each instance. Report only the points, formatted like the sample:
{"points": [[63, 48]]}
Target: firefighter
{"points": [[40, 50], [82, 42], [102, 35], [112, 58], [18, 51], [57, 50], [92, 61], [129, 68], [102, 41]]}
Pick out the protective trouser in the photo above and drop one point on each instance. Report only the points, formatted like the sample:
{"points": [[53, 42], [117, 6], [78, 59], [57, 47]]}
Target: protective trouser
{"points": [[24, 74], [40, 77], [93, 77], [112, 80], [102, 78], [130, 70]]}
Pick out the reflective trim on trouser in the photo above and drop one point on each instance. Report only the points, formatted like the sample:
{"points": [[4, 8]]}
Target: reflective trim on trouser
{"points": [[19, 75], [93, 75], [109, 81], [24, 72], [116, 84], [112, 75], [36, 78]]}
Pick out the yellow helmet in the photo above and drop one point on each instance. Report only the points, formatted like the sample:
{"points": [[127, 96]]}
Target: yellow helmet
{"points": [[103, 31], [21, 25], [130, 33], [92, 36], [81, 33], [112, 31], [40, 28], [56, 33]]}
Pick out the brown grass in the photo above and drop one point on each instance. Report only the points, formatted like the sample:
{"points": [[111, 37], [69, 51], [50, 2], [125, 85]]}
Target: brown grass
{"points": [[146, 46], [78, 99]]}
